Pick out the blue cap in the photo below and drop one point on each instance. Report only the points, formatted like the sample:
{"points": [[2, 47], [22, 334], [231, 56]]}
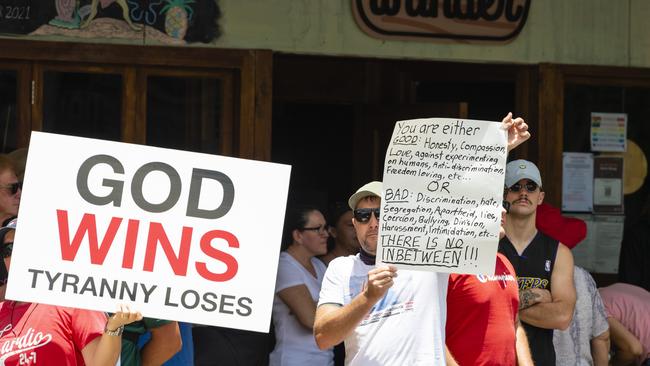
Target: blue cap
{"points": [[517, 170]]}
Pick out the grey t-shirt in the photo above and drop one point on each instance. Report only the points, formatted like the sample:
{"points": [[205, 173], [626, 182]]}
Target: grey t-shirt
{"points": [[572, 346]]}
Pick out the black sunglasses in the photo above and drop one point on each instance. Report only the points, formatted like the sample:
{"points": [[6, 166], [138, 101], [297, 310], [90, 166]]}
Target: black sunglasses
{"points": [[530, 187], [13, 187], [320, 229], [7, 249], [362, 215]]}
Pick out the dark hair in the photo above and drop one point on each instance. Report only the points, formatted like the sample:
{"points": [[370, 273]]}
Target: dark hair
{"points": [[204, 23], [296, 217], [334, 213]]}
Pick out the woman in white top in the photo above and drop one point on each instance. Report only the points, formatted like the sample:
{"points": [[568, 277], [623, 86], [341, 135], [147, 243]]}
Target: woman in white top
{"points": [[297, 288]]}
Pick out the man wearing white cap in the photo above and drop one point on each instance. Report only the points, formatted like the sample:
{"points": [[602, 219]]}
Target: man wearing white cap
{"points": [[383, 318], [544, 266]]}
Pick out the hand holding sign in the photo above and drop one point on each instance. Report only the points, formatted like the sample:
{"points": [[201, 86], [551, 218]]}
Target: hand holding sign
{"points": [[123, 316], [380, 279]]}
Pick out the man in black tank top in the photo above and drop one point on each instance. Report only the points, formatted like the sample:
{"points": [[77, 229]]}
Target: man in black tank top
{"points": [[544, 266]]}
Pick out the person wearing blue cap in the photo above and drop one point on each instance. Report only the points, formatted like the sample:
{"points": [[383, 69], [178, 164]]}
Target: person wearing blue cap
{"points": [[544, 266]]}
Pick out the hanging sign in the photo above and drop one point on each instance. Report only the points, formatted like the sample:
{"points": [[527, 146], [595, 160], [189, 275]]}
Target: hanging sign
{"points": [[455, 20]]}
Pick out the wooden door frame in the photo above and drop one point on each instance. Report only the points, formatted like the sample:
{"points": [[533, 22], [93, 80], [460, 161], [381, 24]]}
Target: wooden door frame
{"points": [[252, 73]]}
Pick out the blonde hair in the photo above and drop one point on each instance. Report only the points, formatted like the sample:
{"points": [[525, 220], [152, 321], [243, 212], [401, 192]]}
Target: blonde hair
{"points": [[6, 163], [371, 198], [19, 159]]}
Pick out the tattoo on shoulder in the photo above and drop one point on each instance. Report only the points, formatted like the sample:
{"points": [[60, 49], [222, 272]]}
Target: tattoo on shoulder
{"points": [[527, 298]]}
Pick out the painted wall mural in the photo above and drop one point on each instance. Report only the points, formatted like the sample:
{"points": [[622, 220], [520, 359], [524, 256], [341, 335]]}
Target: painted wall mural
{"points": [[165, 21]]}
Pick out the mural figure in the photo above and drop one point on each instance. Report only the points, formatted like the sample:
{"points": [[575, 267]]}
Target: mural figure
{"points": [[67, 14], [165, 21], [106, 3]]}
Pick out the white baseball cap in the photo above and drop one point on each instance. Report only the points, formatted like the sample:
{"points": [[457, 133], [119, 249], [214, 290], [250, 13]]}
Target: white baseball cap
{"points": [[369, 189], [517, 170]]}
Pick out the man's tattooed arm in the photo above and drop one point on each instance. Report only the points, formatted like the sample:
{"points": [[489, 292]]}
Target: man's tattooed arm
{"points": [[527, 298]]}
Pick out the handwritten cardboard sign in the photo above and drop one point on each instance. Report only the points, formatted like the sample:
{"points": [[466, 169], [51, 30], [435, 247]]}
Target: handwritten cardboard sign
{"points": [[443, 194], [178, 235]]}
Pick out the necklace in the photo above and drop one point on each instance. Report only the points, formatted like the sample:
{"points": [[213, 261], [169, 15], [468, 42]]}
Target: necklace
{"points": [[11, 322]]}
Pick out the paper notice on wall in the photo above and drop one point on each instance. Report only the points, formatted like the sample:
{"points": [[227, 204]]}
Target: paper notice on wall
{"points": [[608, 131], [577, 181], [599, 251], [608, 185], [584, 254], [608, 238], [443, 194]]}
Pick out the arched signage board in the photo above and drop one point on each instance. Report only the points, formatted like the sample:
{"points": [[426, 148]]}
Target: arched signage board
{"points": [[451, 20]]}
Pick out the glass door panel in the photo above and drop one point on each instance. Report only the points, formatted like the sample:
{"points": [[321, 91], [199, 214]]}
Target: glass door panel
{"points": [[8, 109], [82, 104], [184, 113]]}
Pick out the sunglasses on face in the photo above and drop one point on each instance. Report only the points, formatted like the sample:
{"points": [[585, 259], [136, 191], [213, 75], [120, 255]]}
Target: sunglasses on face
{"points": [[530, 187], [320, 229], [362, 215], [13, 187], [7, 249]]}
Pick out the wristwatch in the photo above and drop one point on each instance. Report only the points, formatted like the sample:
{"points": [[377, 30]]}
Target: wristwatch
{"points": [[117, 332]]}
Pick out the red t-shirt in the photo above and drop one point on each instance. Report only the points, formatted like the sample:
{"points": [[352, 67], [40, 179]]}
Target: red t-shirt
{"points": [[481, 313], [39, 334]]}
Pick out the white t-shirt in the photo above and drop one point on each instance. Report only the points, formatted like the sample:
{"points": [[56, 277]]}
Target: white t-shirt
{"points": [[295, 344], [405, 327]]}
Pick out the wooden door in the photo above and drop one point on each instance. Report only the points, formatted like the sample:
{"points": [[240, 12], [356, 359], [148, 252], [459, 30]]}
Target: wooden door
{"points": [[187, 109], [85, 100], [171, 107], [374, 129]]}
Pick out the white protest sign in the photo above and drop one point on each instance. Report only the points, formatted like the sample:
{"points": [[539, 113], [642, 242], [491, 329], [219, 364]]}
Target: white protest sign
{"points": [[442, 195], [177, 235]]}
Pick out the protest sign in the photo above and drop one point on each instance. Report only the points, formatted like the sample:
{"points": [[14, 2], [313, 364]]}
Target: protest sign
{"points": [[442, 195], [175, 234]]}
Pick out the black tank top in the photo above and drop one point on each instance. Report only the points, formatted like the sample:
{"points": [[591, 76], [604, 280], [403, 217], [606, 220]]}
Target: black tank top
{"points": [[533, 269]]}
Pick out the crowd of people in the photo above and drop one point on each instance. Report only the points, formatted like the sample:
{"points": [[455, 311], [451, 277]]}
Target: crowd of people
{"points": [[333, 305]]}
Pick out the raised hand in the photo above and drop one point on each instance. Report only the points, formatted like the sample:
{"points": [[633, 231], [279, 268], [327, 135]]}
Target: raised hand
{"points": [[517, 130]]}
